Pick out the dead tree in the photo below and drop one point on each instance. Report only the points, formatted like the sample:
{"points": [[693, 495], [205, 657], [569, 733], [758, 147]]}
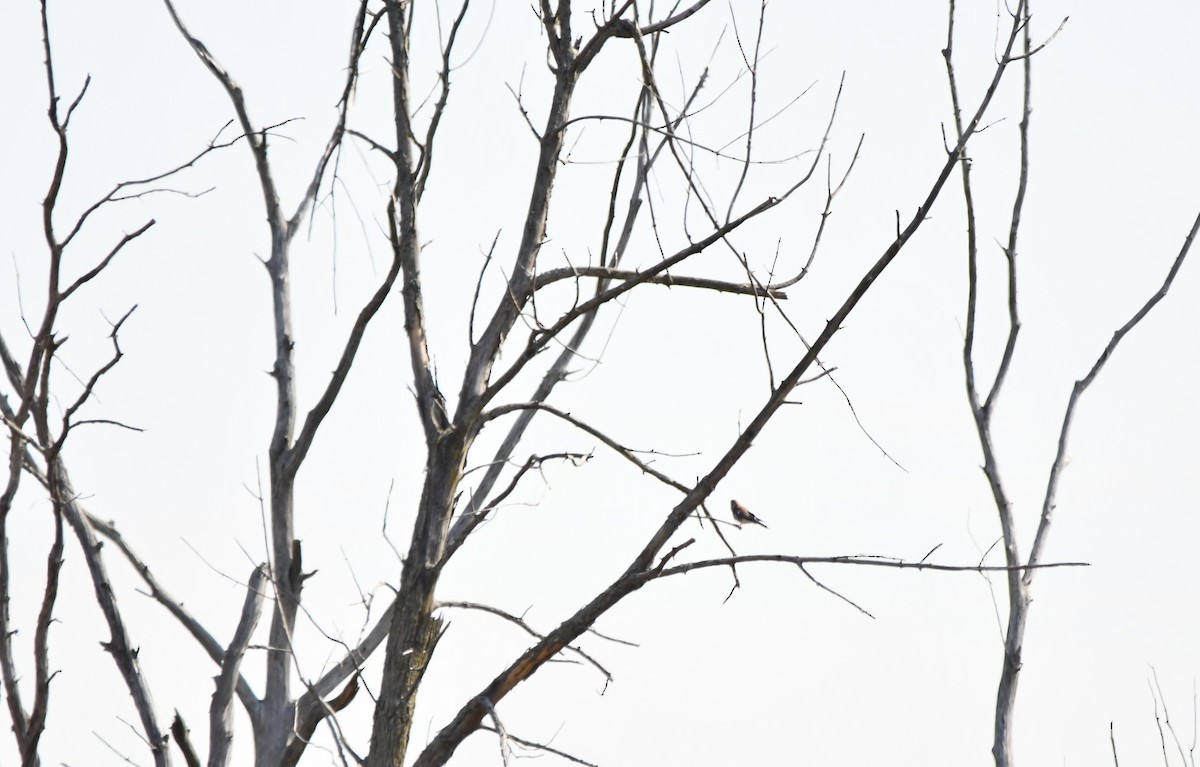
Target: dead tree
{"points": [[515, 342], [983, 396]]}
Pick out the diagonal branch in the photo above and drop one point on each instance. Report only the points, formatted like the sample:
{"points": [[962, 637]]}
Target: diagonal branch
{"points": [[119, 646], [316, 415], [358, 43], [90, 274], [538, 746], [206, 640], [425, 160], [311, 707], [114, 194], [623, 451], [308, 718], [518, 621], [473, 517], [36, 723], [256, 138], [618, 27], [183, 740], [90, 386], [831, 192], [353, 660], [1048, 504]]}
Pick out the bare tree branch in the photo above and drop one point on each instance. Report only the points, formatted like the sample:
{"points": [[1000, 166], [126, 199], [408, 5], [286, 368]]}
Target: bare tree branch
{"points": [[114, 195], [308, 717], [221, 711], [425, 160], [358, 43], [124, 654], [257, 139], [670, 280], [313, 420], [350, 664], [623, 451], [462, 605], [87, 276], [206, 640], [183, 740], [277, 707], [501, 731], [875, 561], [540, 747], [41, 646], [473, 517], [90, 386], [1050, 500]]}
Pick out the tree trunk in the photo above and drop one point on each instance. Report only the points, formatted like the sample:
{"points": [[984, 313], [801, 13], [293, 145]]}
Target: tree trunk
{"points": [[415, 631]]}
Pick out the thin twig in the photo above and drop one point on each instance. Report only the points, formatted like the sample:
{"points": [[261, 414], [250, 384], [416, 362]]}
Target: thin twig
{"points": [[519, 621]]}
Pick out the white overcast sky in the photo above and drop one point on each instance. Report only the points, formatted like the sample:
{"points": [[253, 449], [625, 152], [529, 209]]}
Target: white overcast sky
{"points": [[783, 673]]}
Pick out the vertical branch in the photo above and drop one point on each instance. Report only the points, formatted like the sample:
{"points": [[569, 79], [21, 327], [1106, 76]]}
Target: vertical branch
{"points": [[276, 712], [41, 644], [982, 409], [402, 226], [751, 64], [1019, 597], [285, 576], [274, 720], [1010, 250], [425, 162], [17, 455], [414, 631], [221, 710], [8, 670]]}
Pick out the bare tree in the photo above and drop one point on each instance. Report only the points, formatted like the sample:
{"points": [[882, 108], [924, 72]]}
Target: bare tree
{"points": [[983, 396], [540, 323]]}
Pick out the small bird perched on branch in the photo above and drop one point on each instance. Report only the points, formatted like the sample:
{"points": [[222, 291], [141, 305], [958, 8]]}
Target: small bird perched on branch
{"points": [[744, 515]]}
